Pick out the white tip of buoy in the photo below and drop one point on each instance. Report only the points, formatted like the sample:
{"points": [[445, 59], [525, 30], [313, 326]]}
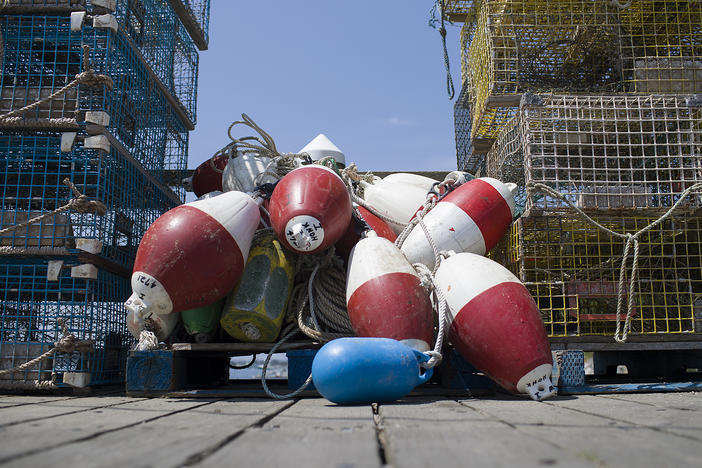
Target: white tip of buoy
{"points": [[512, 187], [537, 383], [542, 390], [322, 147]]}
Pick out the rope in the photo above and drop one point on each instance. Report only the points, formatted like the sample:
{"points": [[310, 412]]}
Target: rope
{"points": [[79, 203], [439, 7], [147, 341], [620, 5], [67, 344], [289, 333], [621, 332], [87, 77], [265, 146]]}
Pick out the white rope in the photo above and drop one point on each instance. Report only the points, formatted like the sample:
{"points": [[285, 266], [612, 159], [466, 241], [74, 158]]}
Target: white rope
{"points": [[147, 341]]}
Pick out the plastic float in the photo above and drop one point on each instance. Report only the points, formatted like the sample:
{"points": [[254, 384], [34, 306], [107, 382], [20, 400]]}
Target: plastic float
{"points": [[322, 147], [396, 201], [201, 323], [310, 209], [192, 255], [472, 218], [245, 171], [255, 309], [384, 295], [361, 221], [405, 178], [367, 370], [208, 176], [496, 325]]}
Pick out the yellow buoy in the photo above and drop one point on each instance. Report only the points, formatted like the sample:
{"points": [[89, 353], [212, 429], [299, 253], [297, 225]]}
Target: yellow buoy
{"points": [[255, 309]]}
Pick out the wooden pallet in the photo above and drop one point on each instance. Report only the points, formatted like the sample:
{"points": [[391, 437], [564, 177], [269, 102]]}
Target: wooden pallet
{"points": [[202, 370]]}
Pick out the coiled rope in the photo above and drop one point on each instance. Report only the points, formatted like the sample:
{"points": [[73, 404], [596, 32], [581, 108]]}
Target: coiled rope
{"points": [[263, 146], [632, 240]]}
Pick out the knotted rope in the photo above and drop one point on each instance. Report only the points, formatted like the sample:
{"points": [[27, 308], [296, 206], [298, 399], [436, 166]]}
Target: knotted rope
{"points": [[631, 240], [438, 8], [79, 203], [87, 77], [68, 343]]}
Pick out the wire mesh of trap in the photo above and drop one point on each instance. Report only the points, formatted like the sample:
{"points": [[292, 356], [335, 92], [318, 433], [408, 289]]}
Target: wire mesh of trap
{"points": [[577, 46], [43, 4], [572, 272], [618, 152], [467, 160], [30, 305], [457, 10], [32, 170], [199, 10], [42, 55]]}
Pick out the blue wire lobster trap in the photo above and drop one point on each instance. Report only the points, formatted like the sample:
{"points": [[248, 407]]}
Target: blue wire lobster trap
{"points": [[34, 295], [42, 55], [152, 28], [33, 169], [120, 140]]}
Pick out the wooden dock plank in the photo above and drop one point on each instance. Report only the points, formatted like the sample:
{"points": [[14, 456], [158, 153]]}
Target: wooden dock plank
{"points": [[691, 400], [54, 408], [649, 412], [603, 439], [423, 433], [20, 400], [173, 440], [311, 433], [40, 436]]}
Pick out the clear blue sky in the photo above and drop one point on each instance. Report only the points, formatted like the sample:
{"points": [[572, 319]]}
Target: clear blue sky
{"points": [[368, 74]]}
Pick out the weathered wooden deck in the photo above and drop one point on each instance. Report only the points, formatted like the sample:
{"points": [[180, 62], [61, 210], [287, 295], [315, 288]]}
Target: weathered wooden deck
{"points": [[637, 430]]}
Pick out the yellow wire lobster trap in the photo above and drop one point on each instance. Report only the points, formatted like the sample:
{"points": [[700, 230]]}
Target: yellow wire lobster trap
{"points": [[603, 152], [515, 46], [572, 270]]}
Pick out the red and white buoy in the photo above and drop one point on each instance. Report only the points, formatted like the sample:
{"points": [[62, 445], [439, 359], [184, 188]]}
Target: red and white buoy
{"points": [[472, 218], [496, 325], [384, 295], [353, 232], [208, 176], [310, 209], [405, 178], [193, 255]]}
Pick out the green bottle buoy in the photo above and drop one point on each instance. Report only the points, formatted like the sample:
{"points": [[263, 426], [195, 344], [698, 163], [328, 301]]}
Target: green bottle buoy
{"points": [[201, 322]]}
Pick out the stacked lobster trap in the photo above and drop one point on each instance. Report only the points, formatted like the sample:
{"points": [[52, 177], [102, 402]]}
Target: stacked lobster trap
{"points": [[594, 109], [96, 103], [511, 47], [623, 161]]}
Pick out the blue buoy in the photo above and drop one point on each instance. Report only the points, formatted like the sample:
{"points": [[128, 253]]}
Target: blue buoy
{"points": [[367, 370]]}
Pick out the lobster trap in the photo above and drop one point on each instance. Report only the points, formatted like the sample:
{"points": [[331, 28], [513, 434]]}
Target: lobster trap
{"points": [[42, 56], [34, 297], [572, 270], [612, 153], [32, 171], [153, 30], [195, 15], [577, 46], [467, 159]]}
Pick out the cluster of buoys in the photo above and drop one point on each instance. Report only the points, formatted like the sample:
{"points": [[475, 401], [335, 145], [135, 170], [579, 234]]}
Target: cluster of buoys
{"points": [[227, 263]]}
